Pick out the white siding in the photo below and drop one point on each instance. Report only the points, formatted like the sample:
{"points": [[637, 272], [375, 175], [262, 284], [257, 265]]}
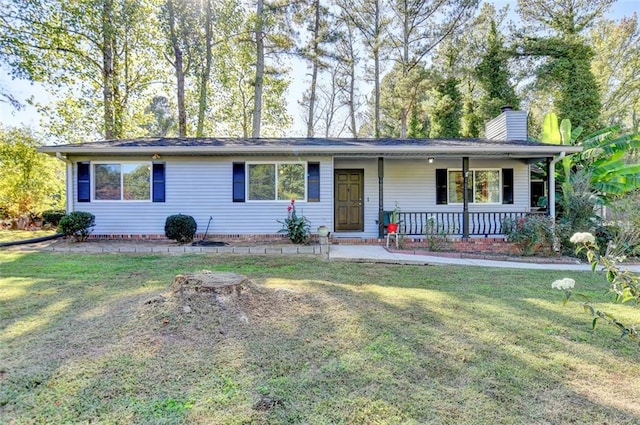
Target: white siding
{"points": [[202, 187]]}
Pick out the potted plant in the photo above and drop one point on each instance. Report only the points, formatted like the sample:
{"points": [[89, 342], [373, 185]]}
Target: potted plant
{"points": [[392, 227]]}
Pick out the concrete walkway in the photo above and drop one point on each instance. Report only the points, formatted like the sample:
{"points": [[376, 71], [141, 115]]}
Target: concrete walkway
{"points": [[366, 253]]}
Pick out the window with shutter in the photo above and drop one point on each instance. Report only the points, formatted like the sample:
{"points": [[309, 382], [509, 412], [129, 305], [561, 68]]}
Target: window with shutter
{"points": [[84, 182], [158, 182], [238, 181], [313, 182]]}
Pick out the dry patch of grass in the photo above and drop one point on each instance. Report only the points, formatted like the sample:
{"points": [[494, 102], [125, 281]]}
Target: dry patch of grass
{"points": [[86, 338]]}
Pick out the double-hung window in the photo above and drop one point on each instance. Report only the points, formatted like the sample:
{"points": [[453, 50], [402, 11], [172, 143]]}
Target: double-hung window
{"points": [[279, 181], [484, 186], [122, 181]]}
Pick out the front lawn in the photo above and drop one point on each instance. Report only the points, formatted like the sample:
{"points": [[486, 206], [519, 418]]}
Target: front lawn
{"points": [[86, 339]]}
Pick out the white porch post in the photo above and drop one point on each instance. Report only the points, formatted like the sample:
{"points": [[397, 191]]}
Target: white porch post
{"points": [[465, 197], [381, 197], [551, 199], [69, 181]]}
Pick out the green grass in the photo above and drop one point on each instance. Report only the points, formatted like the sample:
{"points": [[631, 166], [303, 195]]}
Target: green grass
{"points": [[19, 235], [312, 342]]}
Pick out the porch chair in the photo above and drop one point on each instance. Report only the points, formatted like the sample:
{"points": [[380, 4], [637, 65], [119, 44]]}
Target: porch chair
{"points": [[386, 218]]}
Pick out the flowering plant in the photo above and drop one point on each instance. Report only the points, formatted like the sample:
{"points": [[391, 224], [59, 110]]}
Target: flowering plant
{"points": [[533, 234], [295, 226], [623, 283]]}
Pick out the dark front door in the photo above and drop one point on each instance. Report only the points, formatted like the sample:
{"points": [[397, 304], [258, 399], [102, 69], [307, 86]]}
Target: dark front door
{"points": [[349, 209]]}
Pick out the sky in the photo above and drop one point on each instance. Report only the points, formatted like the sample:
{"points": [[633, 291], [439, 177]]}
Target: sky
{"points": [[28, 115]]}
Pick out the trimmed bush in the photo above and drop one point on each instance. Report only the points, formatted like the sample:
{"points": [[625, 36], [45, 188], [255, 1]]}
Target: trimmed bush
{"points": [[77, 224], [53, 217], [180, 228]]}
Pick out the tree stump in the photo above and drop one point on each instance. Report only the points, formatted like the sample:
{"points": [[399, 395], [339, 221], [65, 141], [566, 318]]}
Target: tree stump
{"points": [[222, 285]]}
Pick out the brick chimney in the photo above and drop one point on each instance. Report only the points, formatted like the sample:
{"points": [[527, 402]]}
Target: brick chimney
{"points": [[509, 125]]}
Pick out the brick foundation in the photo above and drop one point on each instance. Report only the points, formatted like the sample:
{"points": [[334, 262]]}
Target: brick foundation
{"points": [[454, 245], [253, 238]]}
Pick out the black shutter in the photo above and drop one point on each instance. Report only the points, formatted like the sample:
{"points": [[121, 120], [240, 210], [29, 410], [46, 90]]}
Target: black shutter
{"points": [[158, 182], [507, 185], [313, 182], [441, 186], [238, 181], [84, 182]]}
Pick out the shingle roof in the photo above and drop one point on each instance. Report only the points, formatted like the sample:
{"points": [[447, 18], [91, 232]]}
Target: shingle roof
{"points": [[310, 146]]}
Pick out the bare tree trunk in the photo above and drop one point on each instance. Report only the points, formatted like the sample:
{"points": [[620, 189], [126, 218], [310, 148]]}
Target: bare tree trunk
{"points": [[107, 66], [204, 78], [314, 72], [405, 61], [178, 65], [376, 59], [257, 98], [352, 100], [118, 100]]}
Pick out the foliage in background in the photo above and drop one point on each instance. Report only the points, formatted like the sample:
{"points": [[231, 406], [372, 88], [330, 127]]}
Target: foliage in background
{"points": [[31, 182], [533, 234], [52, 217], [624, 284], [446, 109], [180, 228], [77, 224], [616, 47], [552, 43], [493, 75], [103, 64], [623, 220], [295, 226]]}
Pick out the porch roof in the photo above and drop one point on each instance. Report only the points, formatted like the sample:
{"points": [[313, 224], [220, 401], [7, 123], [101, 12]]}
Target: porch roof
{"points": [[384, 147]]}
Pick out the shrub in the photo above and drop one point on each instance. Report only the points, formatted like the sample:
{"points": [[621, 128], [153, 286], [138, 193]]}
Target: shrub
{"points": [[53, 217], [532, 233], [180, 228], [624, 284], [295, 226], [77, 224], [577, 212]]}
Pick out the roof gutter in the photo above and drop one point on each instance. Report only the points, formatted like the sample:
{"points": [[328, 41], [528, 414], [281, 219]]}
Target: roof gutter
{"points": [[301, 150]]}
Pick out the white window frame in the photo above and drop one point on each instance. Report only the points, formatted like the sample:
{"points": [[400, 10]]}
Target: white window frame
{"points": [[121, 163], [473, 188], [276, 163]]}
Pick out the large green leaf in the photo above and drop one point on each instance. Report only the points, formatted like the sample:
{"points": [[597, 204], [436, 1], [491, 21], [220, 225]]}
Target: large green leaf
{"points": [[550, 131]]}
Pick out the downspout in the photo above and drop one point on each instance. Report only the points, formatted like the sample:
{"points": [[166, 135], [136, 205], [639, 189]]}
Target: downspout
{"points": [[69, 180], [551, 203], [551, 200]]}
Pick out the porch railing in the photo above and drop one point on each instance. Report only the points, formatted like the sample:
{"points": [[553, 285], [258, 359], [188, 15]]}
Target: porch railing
{"points": [[451, 223]]}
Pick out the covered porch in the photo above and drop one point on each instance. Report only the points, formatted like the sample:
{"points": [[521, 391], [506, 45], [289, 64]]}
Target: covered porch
{"points": [[438, 195]]}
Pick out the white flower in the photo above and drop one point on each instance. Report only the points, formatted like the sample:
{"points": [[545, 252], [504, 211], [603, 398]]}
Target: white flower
{"points": [[563, 284], [584, 237]]}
